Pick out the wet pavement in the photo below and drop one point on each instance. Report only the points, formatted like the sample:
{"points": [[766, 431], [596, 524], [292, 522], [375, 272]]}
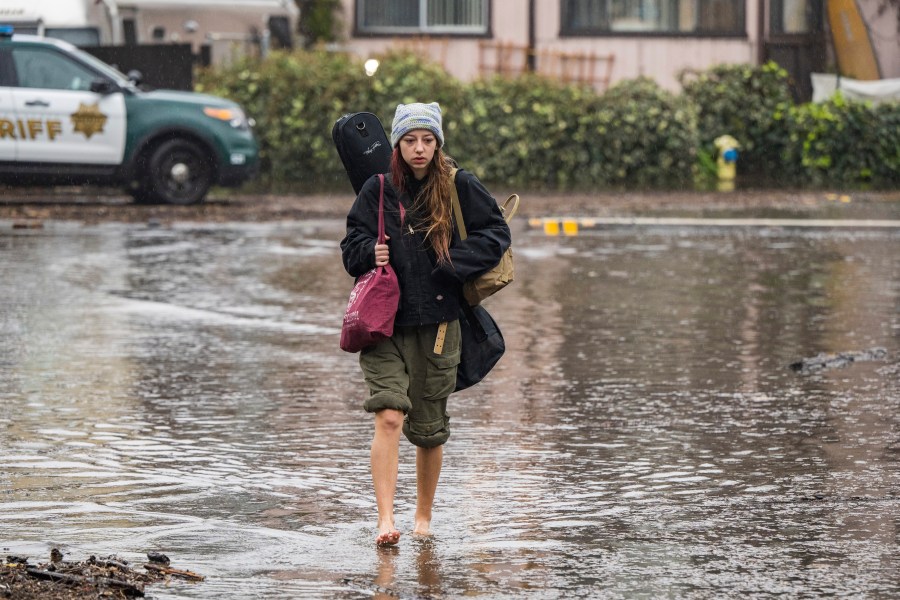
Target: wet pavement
{"points": [[179, 388]]}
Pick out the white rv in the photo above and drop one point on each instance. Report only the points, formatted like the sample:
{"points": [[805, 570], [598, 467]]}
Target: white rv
{"points": [[216, 23], [80, 22]]}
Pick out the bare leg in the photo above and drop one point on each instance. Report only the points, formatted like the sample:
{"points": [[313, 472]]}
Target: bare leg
{"points": [[428, 471], [385, 459]]}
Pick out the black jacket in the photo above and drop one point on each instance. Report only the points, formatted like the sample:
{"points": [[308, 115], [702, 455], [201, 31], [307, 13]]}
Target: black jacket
{"points": [[427, 294]]}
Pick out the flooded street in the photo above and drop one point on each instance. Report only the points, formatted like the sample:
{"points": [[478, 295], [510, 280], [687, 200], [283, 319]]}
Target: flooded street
{"points": [[180, 389]]}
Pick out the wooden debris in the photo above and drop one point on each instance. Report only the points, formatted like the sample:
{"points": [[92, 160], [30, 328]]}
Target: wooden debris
{"points": [[29, 224], [189, 575]]}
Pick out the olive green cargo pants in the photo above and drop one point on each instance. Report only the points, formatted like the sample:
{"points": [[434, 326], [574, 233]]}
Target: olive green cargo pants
{"points": [[404, 373]]}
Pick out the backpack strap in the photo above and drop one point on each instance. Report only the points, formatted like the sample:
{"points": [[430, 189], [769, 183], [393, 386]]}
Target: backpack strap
{"points": [[514, 200], [457, 212], [457, 209]]}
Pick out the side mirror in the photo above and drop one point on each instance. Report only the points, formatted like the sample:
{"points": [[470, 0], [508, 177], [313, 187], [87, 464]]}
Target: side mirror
{"points": [[135, 76], [103, 86]]}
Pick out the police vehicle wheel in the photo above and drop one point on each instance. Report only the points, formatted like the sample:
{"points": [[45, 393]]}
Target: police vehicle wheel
{"points": [[179, 173]]}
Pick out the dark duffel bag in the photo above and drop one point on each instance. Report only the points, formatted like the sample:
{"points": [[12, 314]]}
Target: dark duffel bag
{"points": [[481, 345], [362, 145]]}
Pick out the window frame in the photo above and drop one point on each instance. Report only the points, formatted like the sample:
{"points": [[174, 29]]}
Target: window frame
{"points": [[565, 31], [420, 31]]}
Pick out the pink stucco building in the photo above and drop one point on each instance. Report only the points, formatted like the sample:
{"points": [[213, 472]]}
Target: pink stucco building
{"points": [[605, 41]]}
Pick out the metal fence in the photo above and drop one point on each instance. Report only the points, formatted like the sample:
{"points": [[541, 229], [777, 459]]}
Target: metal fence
{"points": [[165, 66]]}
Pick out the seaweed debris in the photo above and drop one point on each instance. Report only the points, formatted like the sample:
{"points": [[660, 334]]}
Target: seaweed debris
{"points": [[107, 577], [820, 362]]}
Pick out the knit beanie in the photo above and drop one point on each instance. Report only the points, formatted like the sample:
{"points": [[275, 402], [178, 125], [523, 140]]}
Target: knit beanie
{"points": [[417, 116]]}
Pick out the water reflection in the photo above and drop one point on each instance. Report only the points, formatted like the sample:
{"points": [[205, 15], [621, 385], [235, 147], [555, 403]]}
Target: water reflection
{"points": [[179, 389]]}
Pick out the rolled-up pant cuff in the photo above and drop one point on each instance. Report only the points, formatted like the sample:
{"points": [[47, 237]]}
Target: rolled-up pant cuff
{"points": [[387, 399], [427, 435]]}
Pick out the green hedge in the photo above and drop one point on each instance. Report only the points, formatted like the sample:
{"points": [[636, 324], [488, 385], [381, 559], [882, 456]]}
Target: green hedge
{"points": [[640, 134], [844, 142], [839, 142], [533, 131], [747, 103], [517, 130]]}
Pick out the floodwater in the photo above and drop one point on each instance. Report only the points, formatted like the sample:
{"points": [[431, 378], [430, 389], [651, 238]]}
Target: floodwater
{"points": [[180, 389]]}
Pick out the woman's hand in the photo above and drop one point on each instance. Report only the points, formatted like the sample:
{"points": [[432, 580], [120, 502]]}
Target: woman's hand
{"points": [[382, 256]]}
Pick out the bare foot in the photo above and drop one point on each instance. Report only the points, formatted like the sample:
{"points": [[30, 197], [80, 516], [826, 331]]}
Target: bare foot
{"points": [[422, 527], [388, 538]]}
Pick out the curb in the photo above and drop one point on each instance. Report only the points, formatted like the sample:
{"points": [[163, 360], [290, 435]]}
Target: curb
{"points": [[570, 226]]}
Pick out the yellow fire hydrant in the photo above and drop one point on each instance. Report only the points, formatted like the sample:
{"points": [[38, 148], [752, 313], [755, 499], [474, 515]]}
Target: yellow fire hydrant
{"points": [[726, 162]]}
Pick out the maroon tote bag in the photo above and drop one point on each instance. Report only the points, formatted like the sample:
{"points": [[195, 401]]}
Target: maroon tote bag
{"points": [[370, 313]]}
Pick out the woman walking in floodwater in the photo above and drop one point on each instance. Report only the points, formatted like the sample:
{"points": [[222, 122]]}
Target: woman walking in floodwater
{"points": [[411, 374]]}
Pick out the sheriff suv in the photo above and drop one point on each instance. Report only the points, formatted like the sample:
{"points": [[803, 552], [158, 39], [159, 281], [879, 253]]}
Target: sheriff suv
{"points": [[67, 117]]}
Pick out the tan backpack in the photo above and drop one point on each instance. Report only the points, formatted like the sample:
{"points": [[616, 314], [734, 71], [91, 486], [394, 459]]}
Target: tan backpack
{"points": [[501, 275]]}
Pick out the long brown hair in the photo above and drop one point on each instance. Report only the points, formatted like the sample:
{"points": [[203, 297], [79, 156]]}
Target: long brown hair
{"points": [[435, 196]]}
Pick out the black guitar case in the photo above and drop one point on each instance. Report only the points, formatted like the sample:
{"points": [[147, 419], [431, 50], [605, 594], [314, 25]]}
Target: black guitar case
{"points": [[362, 145]]}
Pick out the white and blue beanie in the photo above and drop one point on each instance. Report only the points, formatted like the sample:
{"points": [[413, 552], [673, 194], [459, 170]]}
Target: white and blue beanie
{"points": [[408, 117]]}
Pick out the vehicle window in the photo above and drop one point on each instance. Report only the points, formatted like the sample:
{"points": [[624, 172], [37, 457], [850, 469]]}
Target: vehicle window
{"points": [[6, 71], [44, 68]]}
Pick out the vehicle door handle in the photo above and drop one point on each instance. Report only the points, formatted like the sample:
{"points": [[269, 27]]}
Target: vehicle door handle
{"points": [[40, 103]]}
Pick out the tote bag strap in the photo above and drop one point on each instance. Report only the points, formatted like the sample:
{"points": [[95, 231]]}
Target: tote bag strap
{"points": [[381, 236]]}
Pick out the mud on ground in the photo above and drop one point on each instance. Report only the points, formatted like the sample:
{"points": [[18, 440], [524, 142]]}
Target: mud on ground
{"points": [[93, 205]]}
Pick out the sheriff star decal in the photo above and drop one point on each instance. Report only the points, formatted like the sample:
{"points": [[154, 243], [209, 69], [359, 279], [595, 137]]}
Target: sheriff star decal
{"points": [[88, 119]]}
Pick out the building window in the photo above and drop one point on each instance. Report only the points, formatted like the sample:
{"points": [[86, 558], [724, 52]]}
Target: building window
{"points": [[795, 16], [422, 17], [653, 17]]}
